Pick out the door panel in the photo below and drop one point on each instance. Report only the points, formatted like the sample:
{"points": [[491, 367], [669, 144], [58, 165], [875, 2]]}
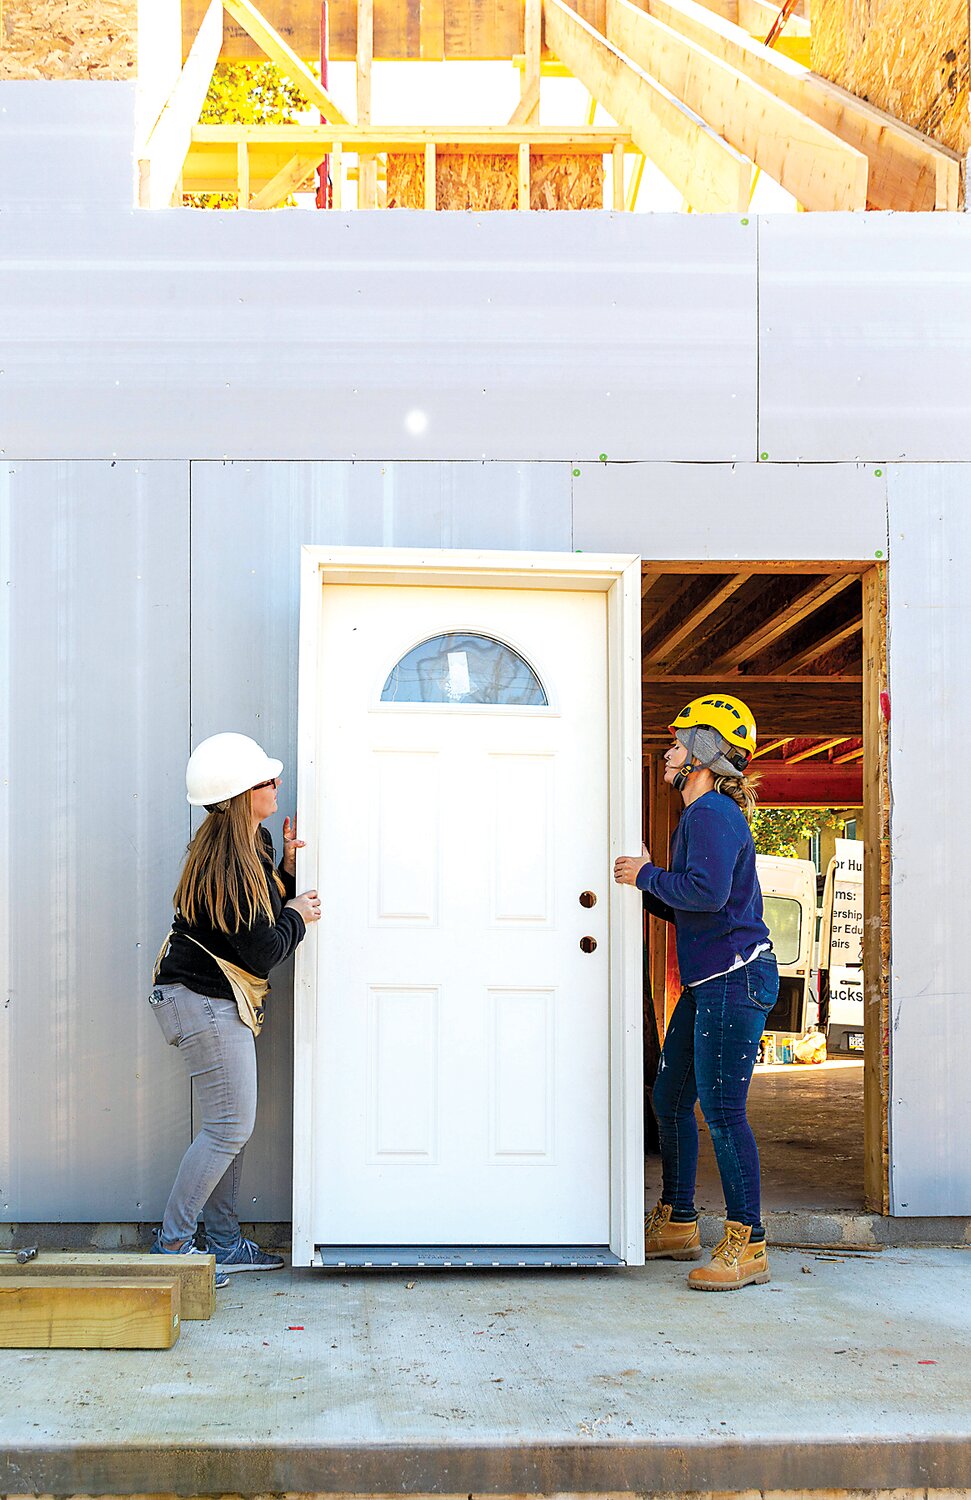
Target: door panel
{"points": [[462, 1033]]}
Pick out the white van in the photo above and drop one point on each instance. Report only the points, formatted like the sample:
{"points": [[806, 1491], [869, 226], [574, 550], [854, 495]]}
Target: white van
{"points": [[789, 908]]}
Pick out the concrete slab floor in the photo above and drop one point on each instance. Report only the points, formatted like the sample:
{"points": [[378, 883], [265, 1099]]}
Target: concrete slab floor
{"points": [[846, 1372]]}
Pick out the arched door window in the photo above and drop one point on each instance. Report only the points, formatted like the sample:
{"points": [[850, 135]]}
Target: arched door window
{"points": [[460, 667]]}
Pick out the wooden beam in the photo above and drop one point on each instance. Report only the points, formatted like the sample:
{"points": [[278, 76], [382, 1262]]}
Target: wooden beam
{"points": [[664, 647], [810, 784], [280, 52], [556, 138], [522, 198], [367, 182], [907, 170], [815, 166], [618, 185], [691, 155], [160, 166], [286, 181], [194, 1273], [826, 643], [431, 176], [780, 709], [242, 175], [876, 898], [71, 1312], [782, 622], [527, 109], [772, 745], [337, 174], [637, 178], [819, 748]]}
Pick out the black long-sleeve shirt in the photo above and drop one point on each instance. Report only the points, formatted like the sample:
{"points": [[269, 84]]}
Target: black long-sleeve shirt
{"points": [[258, 948]]}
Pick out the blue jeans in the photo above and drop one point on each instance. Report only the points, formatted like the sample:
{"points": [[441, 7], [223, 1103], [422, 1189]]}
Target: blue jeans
{"points": [[220, 1055], [708, 1054]]}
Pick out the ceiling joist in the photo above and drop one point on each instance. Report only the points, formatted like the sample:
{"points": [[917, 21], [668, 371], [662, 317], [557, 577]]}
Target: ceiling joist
{"points": [[682, 621], [805, 158], [706, 170], [784, 621]]}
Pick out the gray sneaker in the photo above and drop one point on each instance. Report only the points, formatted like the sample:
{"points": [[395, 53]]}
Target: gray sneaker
{"points": [[244, 1256], [187, 1249]]}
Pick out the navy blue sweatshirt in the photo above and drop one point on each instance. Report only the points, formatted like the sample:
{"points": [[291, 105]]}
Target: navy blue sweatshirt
{"points": [[711, 892]]}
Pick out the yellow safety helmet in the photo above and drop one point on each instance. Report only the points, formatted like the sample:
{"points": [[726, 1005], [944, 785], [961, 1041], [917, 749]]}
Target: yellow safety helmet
{"points": [[729, 717]]}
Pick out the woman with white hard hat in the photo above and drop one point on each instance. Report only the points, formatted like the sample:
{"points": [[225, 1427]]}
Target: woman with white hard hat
{"points": [[731, 982], [236, 918]]}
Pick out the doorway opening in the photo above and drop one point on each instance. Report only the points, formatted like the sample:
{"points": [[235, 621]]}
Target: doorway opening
{"points": [[804, 644]]}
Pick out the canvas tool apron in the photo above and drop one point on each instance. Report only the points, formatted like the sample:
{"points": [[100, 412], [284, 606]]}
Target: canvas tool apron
{"points": [[248, 991]]}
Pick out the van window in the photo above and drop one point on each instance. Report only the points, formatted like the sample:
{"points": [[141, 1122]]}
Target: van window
{"points": [[783, 917]]}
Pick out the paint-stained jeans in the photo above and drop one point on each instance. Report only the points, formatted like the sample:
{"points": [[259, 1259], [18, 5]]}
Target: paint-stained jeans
{"points": [[220, 1054], [709, 1053]]}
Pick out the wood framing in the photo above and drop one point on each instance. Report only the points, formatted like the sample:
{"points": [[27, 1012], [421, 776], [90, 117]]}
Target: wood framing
{"points": [[290, 177], [367, 181], [160, 165], [195, 1273], [277, 50], [876, 896], [809, 161], [704, 168], [784, 621], [907, 169]]}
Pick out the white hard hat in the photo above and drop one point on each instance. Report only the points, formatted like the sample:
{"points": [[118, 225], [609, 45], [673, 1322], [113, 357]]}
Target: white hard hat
{"points": [[225, 765]]}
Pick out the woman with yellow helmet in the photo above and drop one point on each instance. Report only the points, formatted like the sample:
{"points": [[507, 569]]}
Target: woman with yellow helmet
{"points": [[731, 981]]}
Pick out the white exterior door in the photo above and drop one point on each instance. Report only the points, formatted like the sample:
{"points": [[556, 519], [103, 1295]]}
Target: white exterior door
{"points": [[461, 1037]]}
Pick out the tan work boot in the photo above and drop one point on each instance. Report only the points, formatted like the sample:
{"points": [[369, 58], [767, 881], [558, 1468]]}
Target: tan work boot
{"points": [[666, 1241], [735, 1262]]}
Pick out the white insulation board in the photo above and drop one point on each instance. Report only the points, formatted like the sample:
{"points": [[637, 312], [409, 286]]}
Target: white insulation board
{"points": [[930, 726], [865, 337], [189, 334]]}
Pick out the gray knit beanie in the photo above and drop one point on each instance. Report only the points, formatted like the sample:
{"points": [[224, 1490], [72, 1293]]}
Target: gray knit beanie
{"points": [[707, 749]]}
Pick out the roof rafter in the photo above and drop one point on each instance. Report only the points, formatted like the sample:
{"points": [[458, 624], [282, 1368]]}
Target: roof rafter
{"points": [[711, 174], [807, 159]]}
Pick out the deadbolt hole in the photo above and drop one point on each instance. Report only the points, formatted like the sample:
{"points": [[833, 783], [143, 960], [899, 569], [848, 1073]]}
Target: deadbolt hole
{"points": [[588, 898], [588, 944]]}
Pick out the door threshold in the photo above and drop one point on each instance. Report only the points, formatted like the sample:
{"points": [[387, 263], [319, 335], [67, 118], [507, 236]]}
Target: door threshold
{"points": [[461, 1257]]}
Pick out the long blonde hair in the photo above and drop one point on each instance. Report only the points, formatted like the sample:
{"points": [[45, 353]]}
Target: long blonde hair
{"points": [[743, 791], [224, 879]]}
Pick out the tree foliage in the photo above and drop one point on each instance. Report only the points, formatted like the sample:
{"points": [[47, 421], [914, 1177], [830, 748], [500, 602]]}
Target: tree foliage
{"points": [[243, 93], [778, 830]]}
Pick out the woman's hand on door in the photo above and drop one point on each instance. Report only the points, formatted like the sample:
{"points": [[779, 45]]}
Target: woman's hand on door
{"points": [[290, 845], [627, 868]]}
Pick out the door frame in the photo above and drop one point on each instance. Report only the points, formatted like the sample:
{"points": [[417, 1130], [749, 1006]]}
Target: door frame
{"points": [[619, 577]]}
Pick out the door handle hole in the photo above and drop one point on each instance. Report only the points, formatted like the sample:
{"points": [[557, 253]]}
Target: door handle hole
{"points": [[588, 898], [588, 944]]}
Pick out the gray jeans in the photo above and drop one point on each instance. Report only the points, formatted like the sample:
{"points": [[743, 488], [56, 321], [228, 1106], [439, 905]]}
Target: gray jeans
{"points": [[220, 1054]]}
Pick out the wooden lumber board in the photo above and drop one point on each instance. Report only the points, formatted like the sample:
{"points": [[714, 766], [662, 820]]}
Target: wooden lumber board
{"points": [[710, 173], [908, 171], [195, 1273], [60, 39], [160, 165], [787, 709], [74, 1312], [809, 161], [279, 51], [876, 898], [910, 59]]}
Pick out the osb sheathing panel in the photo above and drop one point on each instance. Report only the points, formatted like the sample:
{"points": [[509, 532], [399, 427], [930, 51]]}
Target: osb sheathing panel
{"points": [[403, 29], [58, 39], [910, 59], [483, 180]]}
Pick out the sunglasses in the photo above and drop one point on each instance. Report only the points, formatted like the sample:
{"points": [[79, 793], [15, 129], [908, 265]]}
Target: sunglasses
{"points": [[274, 781]]}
